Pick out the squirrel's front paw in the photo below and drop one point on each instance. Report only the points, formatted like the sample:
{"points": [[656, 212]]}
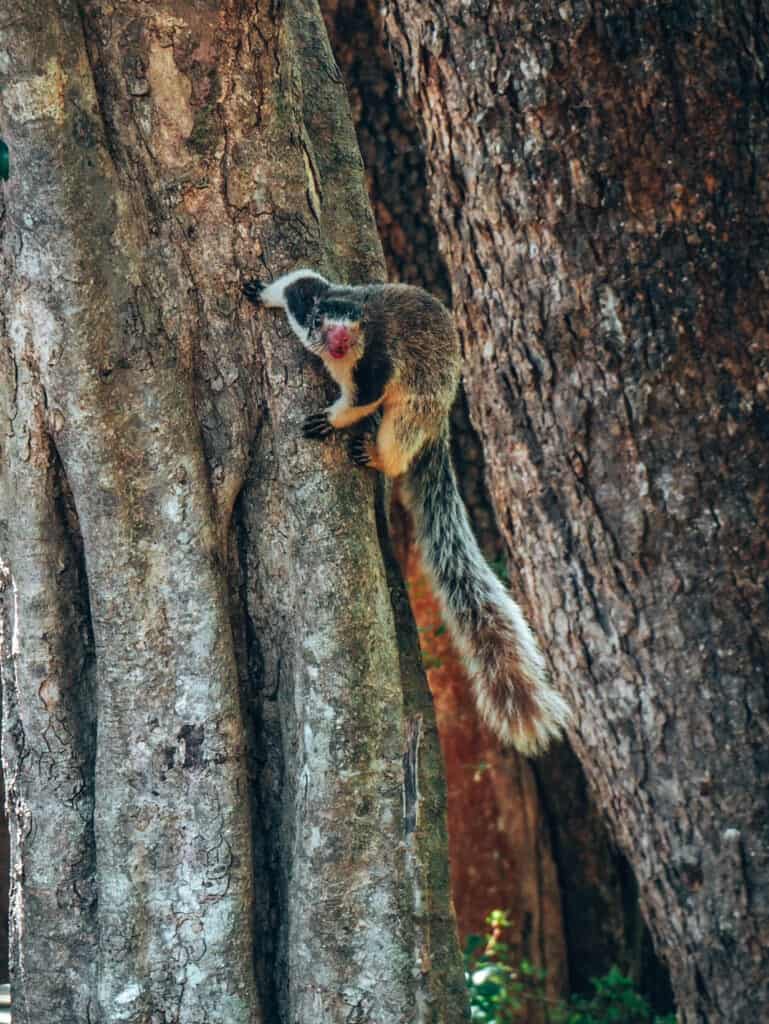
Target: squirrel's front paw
{"points": [[317, 425], [253, 291]]}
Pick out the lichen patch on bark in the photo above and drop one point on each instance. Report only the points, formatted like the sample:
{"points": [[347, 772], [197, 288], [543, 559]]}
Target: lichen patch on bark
{"points": [[173, 119]]}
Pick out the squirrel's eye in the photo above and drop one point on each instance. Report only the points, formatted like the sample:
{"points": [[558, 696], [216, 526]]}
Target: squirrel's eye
{"points": [[317, 320]]}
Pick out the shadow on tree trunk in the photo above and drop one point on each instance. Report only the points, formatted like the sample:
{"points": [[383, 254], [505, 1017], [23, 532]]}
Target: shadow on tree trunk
{"points": [[580, 915]]}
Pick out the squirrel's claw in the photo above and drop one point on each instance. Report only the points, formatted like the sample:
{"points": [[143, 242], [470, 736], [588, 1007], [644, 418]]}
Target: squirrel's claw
{"points": [[317, 425]]}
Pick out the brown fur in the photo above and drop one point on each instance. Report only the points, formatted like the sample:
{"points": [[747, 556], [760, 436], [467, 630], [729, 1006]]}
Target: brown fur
{"points": [[422, 344], [505, 683]]}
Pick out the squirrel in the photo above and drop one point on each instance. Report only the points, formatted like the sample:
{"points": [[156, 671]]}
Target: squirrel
{"points": [[394, 352]]}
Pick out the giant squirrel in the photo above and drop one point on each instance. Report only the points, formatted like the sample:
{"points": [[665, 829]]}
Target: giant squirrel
{"points": [[394, 352]]}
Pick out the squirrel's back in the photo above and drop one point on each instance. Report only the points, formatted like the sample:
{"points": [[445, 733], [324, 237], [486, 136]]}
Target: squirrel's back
{"points": [[419, 334]]}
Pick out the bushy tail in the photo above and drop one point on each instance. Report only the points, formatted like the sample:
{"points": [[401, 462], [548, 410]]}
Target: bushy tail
{"points": [[508, 671]]}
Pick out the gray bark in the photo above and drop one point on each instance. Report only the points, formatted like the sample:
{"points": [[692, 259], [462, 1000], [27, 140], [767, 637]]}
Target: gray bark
{"points": [[209, 731], [597, 178]]}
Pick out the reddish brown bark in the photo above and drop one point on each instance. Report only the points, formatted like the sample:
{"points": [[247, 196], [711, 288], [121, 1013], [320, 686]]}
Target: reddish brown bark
{"points": [[499, 836]]}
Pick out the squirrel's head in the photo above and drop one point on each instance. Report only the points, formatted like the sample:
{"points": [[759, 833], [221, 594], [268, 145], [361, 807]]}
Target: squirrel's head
{"points": [[336, 329]]}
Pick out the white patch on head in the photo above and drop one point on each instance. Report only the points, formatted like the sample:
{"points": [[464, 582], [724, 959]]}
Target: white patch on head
{"points": [[273, 294]]}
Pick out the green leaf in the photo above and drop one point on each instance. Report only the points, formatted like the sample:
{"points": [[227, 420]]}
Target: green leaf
{"points": [[498, 919], [473, 943], [5, 162]]}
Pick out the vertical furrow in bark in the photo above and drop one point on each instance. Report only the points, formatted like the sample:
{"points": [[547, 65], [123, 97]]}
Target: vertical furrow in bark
{"points": [[332, 701], [442, 997], [171, 782], [48, 747]]}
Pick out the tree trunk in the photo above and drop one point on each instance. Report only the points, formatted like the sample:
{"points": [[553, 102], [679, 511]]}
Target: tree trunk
{"points": [[221, 762], [597, 182], [509, 818]]}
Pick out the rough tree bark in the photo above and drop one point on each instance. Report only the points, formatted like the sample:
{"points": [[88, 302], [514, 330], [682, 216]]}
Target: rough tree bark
{"points": [[509, 818], [221, 763], [598, 177], [500, 848]]}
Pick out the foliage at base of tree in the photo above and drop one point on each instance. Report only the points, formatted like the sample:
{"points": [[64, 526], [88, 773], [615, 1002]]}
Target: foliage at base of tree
{"points": [[503, 994]]}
